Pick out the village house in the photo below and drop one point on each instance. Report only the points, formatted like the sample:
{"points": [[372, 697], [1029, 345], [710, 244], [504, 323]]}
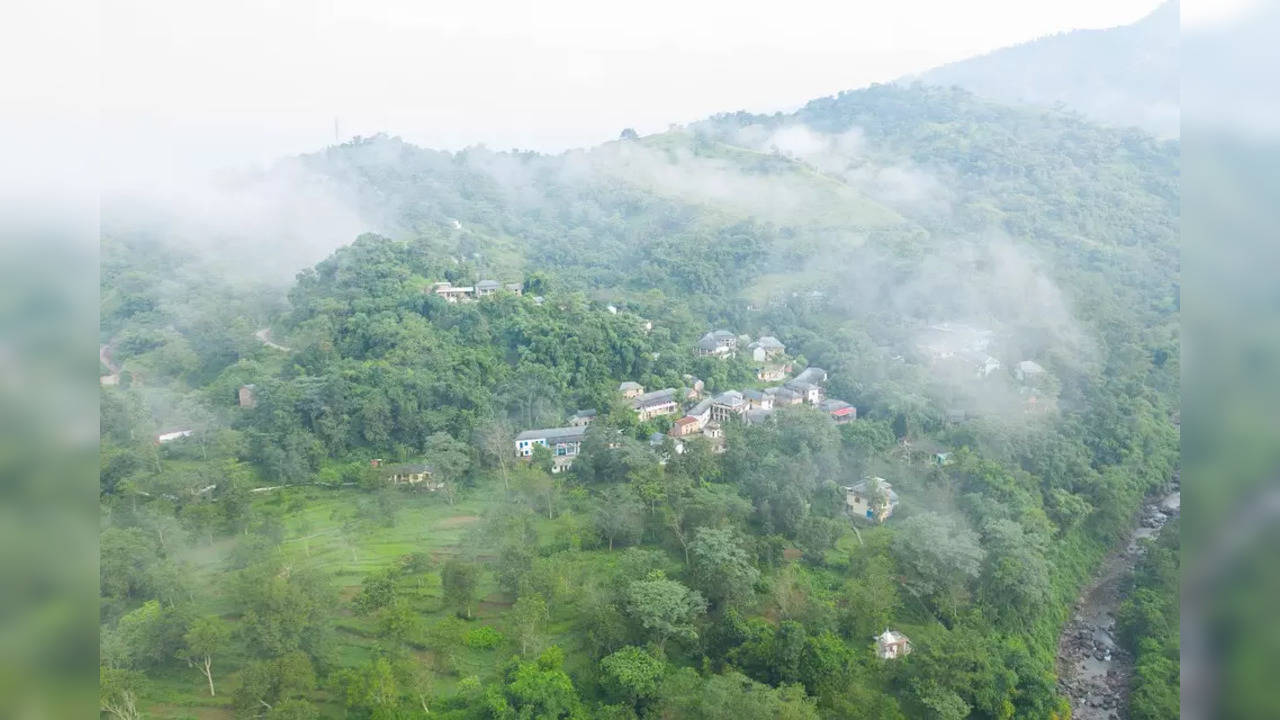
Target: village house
{"points": [[582, 418], [758, 399], [693, 387], [766, 348], [413, 474], [729, 404], [684, 426], [246, 396], [168, 437], [947, 340], [815, 375], [701, 412], [755, 416], [719, 343], [807, 384], [1027, 371], [808, 392], [714, 433], [771, 373], [565, 443], [839, 410], [453, 293], [783, 396], [871, 499], [630, 390], [982, 363], [652, 404], [891, 645], [459, 293]]}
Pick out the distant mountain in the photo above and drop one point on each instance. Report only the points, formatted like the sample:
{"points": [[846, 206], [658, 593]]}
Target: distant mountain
{"points": [[1125, 76]]}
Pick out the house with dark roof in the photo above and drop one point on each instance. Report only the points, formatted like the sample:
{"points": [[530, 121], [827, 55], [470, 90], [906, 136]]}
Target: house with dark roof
{"points": [[652, 404], [784, 396], [728, 405], [565, 443], [718, 343], [808, 384], [767, 347], [758, 399], [815, 375], [630, 389], [582, 418]]}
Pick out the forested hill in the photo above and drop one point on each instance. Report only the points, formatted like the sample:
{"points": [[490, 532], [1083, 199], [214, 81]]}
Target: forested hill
{"points": [[1124, 76], [267, 554]]}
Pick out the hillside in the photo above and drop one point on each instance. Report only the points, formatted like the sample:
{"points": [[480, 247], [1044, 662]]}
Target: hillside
{"points": [[350, 527], [1122, 76]]}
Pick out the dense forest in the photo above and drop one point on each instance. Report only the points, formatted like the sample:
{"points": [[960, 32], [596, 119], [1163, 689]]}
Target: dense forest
{"points": [[259, 563]]}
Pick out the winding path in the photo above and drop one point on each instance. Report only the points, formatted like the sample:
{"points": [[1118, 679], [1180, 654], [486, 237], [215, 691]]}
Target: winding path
{"points": [[264, 335]]}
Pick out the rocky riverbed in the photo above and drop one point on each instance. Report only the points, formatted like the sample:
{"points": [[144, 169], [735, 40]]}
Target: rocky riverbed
{"points": [[1093, 670]]}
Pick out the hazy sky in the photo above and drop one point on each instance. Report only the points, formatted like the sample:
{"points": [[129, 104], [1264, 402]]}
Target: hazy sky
{"points": [[236, 81]]}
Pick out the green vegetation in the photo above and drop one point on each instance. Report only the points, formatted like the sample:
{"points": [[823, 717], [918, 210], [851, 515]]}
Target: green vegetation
{"points": [[1147, 623], [266, 566]]}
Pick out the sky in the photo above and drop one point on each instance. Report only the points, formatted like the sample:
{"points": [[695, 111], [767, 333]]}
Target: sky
{"points": [[245, 81]]}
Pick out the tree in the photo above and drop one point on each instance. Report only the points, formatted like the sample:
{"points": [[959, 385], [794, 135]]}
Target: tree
{"points": [[397, 622], [938, 555], [731, 696], [265, 683], [372, 691], [541, 690], [721, 568], [618, 515], [1015, 576], [870, 599], [118, 693], [206, 637], [495, 440], [459, 581], [152, 634], [376, 591], [665, 607], [529, 614], [449, 462], [632, 674]]}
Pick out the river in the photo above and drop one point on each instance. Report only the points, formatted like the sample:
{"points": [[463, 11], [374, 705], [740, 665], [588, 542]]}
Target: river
{"points": [[1093, 671]]}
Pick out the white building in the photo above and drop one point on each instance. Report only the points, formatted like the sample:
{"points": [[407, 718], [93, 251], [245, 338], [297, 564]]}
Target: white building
{"points": [[872, 499], [891, 645], [565, 443]]}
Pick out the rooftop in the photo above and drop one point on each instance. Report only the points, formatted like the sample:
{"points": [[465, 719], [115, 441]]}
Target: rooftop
{"points": [[729, 397], [812, 375], [563, 434], [656, 396]]}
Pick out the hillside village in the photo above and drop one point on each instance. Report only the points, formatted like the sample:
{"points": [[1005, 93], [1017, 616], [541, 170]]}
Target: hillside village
{"points": [[685, 457]]}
